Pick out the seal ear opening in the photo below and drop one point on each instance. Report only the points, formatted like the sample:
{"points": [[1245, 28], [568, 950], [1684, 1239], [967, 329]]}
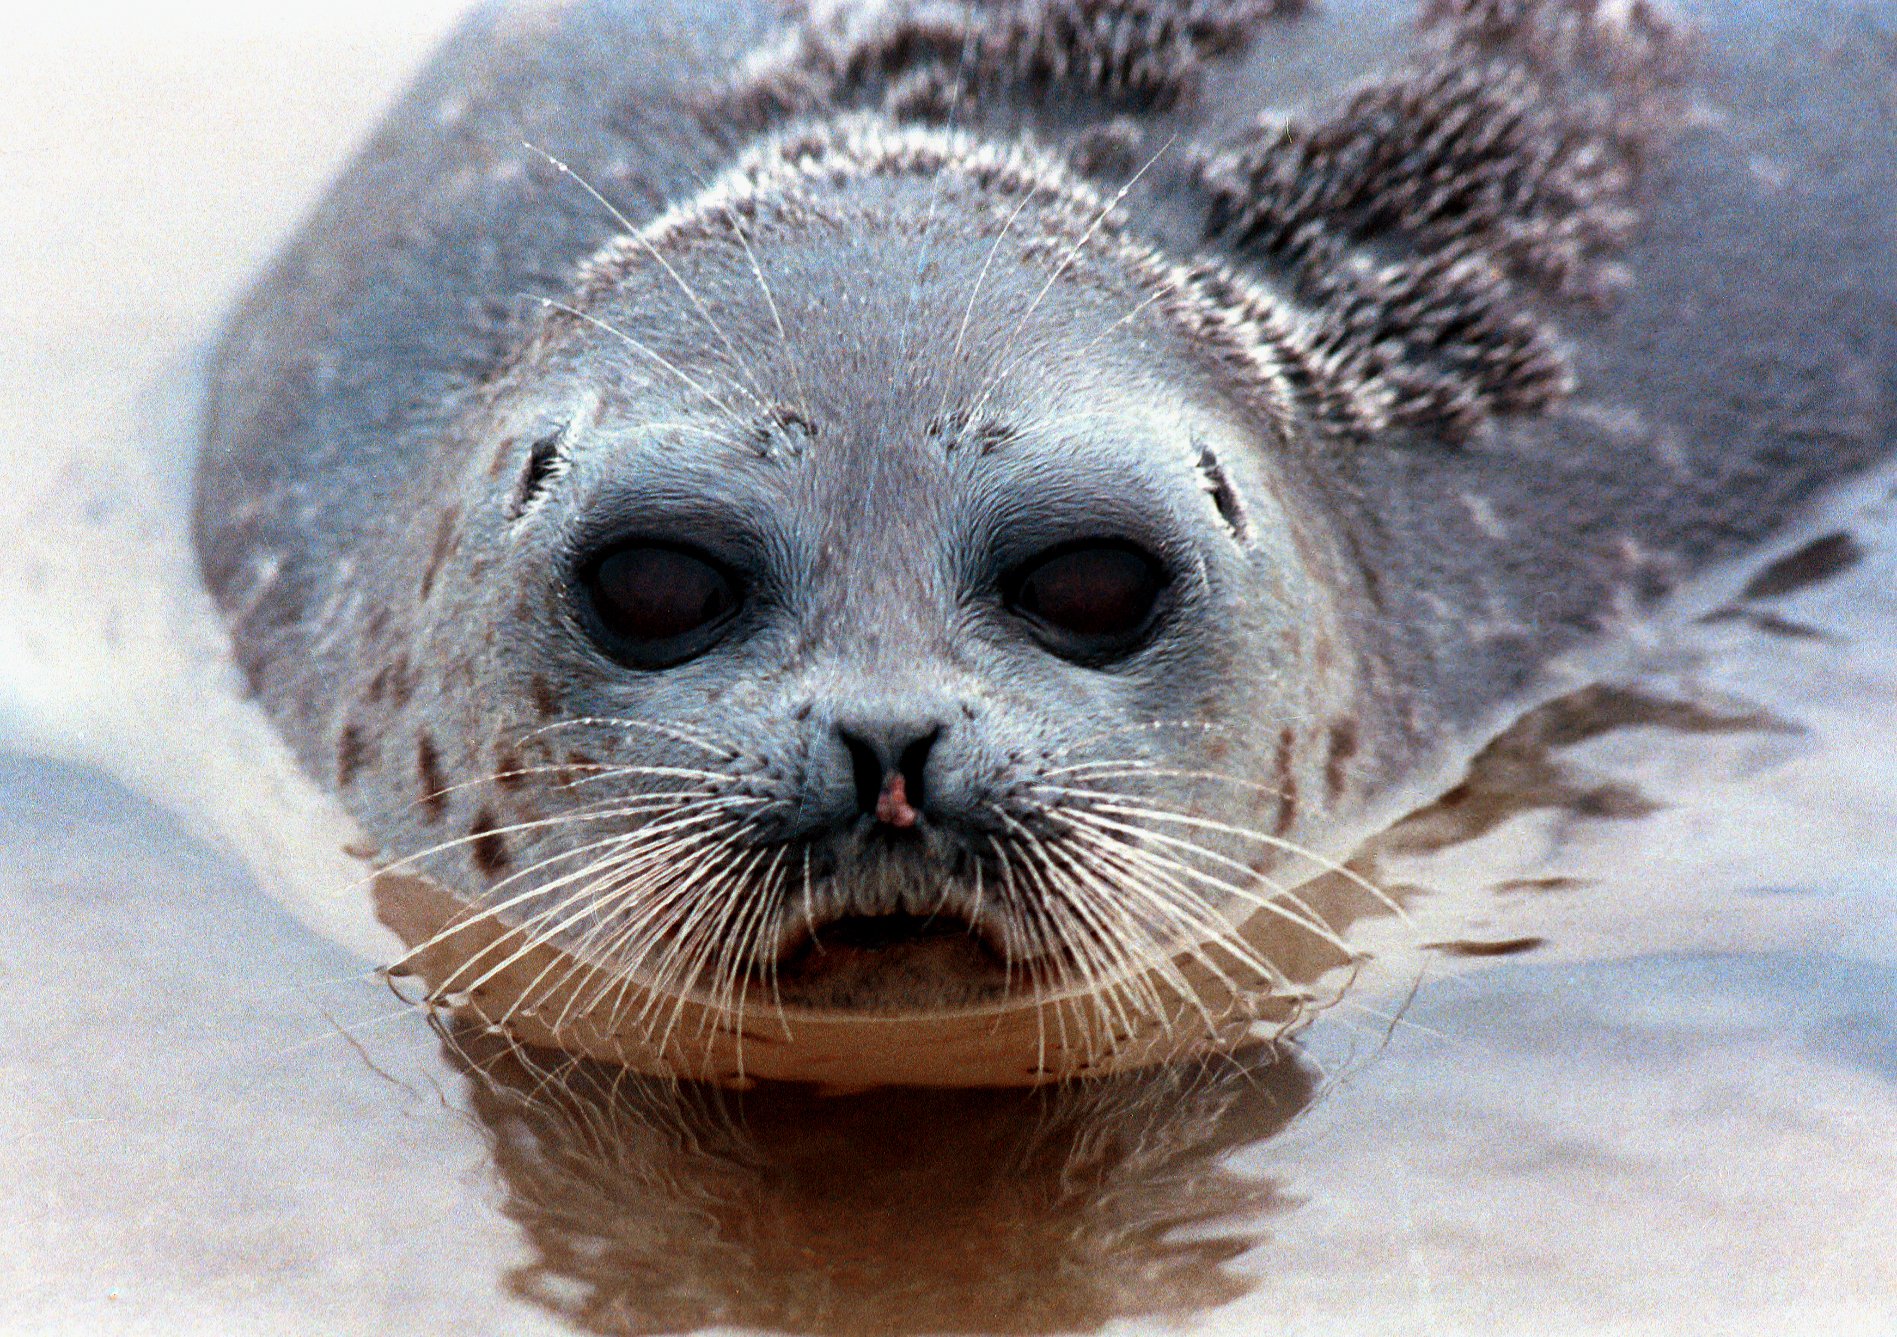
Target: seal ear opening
{"points": [[1224, 496], [546, 461]]}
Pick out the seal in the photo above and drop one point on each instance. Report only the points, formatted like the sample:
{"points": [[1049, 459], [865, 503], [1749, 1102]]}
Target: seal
{"points": [[890, 542]]}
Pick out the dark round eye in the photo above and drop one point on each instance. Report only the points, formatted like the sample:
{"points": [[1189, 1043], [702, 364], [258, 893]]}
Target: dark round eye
{"points": [[659, 606], [1091, 602]]}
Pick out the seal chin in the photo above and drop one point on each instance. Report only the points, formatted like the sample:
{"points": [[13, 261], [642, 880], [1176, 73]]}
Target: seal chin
{"points": [[892, 963]]}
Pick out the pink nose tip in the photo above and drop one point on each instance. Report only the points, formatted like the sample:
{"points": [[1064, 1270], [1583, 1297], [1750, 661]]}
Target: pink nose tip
{"points": [[892, 805]]}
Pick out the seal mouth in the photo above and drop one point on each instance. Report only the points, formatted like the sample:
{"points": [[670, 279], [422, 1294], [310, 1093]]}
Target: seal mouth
{"points": [[892, 959], [872, 933]]}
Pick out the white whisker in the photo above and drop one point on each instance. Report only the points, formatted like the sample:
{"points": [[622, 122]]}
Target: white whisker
{"points": [[636, 234], [638, 347]]}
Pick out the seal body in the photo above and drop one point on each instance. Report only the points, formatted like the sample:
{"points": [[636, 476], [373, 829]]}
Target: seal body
{"points": [[890, 514]]}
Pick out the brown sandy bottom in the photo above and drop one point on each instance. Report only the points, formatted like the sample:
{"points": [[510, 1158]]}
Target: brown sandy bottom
{"points": [[1645, 1081]]}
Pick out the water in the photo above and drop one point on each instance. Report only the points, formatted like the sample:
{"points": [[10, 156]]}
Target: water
{"points": [[1645, 1079]]}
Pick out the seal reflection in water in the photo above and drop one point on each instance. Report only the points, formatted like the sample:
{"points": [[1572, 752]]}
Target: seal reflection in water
{"points": [[655, 1206], [905, 559]]}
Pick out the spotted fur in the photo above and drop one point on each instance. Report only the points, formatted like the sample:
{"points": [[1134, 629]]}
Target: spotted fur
{"points": [[1402, 224], [1408, 218], [923, 58]]}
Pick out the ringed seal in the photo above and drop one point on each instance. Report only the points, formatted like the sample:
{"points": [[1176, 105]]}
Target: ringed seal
{"points": [[886, 542]]}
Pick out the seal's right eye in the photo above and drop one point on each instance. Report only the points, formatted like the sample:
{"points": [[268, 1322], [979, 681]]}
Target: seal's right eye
{"points": [[658, 606]]}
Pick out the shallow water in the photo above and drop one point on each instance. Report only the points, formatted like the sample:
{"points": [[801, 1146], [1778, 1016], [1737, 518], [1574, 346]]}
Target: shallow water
{"points": [[1643, 1078]]}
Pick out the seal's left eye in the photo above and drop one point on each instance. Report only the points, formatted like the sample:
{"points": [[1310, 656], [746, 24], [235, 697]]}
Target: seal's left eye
{"points": [[659, 606], [1092, 602]]}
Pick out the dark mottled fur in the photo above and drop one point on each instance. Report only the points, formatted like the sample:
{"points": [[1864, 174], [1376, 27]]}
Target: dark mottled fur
{"points": [[1507, 151], [929, 57]]}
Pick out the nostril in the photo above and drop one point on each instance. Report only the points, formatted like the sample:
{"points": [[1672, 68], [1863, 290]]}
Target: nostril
{"points": [[913, 762], [887, 767], [868, 769]]}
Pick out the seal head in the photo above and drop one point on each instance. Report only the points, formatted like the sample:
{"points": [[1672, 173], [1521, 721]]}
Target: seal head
{"points": [[888, 552]]}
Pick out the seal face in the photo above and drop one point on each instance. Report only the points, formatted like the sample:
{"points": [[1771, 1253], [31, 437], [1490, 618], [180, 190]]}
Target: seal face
{"points": [[958, 518], [852, 647]]}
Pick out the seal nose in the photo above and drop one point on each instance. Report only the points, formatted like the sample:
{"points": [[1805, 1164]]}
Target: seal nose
{"points": [[890, 760]]}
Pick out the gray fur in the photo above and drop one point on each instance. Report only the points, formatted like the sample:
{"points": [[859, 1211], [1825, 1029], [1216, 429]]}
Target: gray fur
{"points": [[1428, 345]]}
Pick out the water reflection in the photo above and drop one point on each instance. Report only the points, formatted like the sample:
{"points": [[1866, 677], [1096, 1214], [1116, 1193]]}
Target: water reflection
{"points": [[653, 1206], [1522, 769]]}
